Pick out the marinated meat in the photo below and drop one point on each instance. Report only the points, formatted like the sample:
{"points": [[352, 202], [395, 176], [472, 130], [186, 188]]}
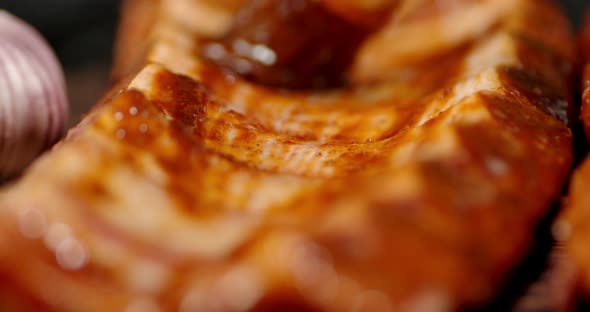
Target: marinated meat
{"points": [[573, 228], [415, 188]]}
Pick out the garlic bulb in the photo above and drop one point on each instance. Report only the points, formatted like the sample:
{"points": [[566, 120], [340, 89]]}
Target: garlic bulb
{"points": [[33, 102]]}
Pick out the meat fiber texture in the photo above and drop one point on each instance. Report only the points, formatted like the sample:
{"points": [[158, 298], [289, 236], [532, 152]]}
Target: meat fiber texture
{"points": [[191, 189]]}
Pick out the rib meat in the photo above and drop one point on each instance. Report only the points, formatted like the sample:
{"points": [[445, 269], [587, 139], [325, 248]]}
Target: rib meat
{"points": [[572, 228], [188, 188]]}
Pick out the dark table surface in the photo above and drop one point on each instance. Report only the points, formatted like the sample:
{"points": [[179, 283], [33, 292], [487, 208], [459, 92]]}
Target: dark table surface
{"points": [[82, 34]]}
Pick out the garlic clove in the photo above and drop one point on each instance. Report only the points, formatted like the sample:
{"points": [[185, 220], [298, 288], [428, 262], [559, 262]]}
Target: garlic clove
{"points": [[33, 101]]}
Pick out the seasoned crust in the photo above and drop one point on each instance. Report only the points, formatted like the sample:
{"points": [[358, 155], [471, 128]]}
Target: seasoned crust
{"points": [[192, 188]]}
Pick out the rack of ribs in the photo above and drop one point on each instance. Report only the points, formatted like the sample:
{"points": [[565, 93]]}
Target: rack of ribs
{"points": [[198, 184]]}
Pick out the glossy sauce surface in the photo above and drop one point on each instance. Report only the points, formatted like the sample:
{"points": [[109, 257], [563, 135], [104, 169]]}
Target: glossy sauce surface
{"points": [[294, 43], [205, 191]]}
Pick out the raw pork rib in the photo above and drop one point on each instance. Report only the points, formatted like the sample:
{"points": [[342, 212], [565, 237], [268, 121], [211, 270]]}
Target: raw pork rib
{"points": [[416, 188]]}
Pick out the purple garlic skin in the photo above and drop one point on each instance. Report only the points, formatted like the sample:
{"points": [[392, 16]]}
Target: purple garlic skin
{"points": [[33, 101]]}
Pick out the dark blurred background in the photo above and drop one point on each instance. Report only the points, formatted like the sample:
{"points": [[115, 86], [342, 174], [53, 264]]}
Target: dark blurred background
{"points": [[82, 34]]}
